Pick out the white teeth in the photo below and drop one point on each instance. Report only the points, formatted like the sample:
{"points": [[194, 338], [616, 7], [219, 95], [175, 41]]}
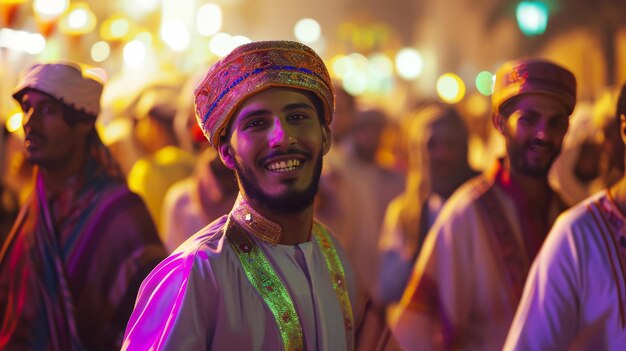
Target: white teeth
{"points": [[282, 166]]}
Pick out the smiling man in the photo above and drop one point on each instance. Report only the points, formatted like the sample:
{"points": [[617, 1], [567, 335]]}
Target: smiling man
{"points": [[469, 277], [266, 276]]}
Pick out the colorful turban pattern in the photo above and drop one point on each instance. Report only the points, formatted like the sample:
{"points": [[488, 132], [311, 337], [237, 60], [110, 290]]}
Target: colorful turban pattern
{"points": [[534, 76], [67, 82], [252, 68]]}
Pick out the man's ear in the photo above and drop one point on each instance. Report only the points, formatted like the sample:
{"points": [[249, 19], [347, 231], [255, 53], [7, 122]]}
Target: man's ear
{"points": [[326, 139], [226, 155]]}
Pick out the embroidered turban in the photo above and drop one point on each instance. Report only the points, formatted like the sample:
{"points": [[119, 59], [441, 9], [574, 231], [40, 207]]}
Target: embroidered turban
{"points": [[534, 76], [252, 68], [66, 82]]}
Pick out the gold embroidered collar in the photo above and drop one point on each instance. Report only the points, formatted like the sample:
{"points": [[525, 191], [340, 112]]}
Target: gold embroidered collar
{"points": [[253, 222]]}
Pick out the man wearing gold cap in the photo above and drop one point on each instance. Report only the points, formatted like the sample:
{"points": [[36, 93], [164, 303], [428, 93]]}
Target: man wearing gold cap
{"points": [[267, 276], [468, 279], [72, 264], [575, 292]]}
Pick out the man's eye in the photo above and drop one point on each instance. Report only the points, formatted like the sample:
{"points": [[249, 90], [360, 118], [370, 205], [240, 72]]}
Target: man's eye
{"points": [[255, 123], [560, 123], [298, 116], [526, 118]]}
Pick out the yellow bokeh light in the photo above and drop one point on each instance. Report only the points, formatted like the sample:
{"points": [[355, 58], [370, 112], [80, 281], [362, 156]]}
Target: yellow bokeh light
{"points": [[341, 65], [78, 20], [50, 9], [209, 19], [120, 27], [134, 53], [175, 35], [450, 88], [409, 63], [307, 30], [115, 28], [14, 122], [355, 83], [100, 51]]}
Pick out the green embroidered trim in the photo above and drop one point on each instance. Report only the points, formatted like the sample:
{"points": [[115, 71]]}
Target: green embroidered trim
{"points": [[264, 279], [338, 277]]}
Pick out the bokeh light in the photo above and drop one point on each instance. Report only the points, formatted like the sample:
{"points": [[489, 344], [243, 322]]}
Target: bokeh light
{"points": [[341, 65], [355, 83], [21, 41], [175, 35], [380, 65], [450, 88], [532, 17], [50, 9], [209, 19], [134, 53], [221, 44], [307, 30], [14, 122], [409, 63], [114, 28], [484, 82], [100, 51], [78, 20]]}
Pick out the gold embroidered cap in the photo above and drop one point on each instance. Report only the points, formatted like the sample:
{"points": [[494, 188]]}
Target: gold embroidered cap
{"points": [[252, 68], [534, 76]]}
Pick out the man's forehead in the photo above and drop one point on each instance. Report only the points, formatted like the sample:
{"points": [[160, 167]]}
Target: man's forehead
{"points": [[282, 98], [537, 103]]}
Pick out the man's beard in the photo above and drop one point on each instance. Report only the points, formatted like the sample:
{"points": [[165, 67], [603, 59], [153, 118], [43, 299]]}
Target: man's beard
{"points": [[291, 202], [517, 155]]}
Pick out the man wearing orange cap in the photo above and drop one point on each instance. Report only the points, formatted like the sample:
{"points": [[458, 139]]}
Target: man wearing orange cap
{"points": [[267, 276], [575, 291], [468, 279], [72, 264]]}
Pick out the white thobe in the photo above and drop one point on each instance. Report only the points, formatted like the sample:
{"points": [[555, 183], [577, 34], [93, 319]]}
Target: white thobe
{"points": [[199, 298], [575, 294]]}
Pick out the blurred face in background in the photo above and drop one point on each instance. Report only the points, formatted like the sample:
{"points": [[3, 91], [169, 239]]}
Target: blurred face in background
{"points": [[50, 141], [447, 148], [533, 127], [367, 134]]}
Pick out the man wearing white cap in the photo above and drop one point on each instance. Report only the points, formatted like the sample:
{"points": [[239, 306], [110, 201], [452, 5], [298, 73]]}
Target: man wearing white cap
{"points": [[71, 266], [468, 278]]}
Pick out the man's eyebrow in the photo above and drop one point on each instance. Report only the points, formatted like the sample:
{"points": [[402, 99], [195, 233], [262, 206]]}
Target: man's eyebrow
{"points": [[289, 107], [297, 105], [253, 113]]}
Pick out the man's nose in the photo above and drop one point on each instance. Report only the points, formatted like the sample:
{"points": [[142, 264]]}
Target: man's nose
{"points": [[28, 116], [280, 134]]}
